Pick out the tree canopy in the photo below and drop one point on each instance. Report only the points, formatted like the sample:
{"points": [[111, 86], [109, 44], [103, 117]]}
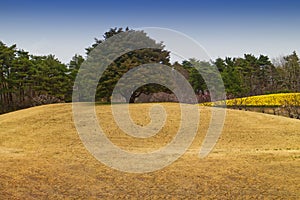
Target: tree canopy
{"points": [[28, 80], [127, 61]]}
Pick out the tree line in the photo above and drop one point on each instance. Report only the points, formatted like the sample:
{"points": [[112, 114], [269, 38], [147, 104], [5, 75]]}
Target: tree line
{"points": [[28, 80]]}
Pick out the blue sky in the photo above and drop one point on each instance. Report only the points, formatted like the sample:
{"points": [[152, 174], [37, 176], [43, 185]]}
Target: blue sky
{"points": [[223, 28]]}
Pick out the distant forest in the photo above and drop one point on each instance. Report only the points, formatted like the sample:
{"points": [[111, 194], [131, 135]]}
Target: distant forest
{"points": [[28, 80]]}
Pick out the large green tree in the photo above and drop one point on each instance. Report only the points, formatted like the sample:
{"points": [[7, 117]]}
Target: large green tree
{"points": [[128, 61]]}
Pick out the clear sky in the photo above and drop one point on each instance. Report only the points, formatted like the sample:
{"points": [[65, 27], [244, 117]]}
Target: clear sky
{"points": [[223, 28]]}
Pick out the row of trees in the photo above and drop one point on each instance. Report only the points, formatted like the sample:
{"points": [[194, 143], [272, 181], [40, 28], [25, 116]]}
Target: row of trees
{"points": [[258, 75], [28, 80], [246, 76]]}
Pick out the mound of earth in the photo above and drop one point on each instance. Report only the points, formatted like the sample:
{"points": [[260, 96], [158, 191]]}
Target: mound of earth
{"points": [[42, 156]]}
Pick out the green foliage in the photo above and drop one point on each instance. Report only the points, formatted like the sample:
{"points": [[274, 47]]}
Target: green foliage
{"points": [[252, 75], [194, 77], [128, 61], [25, 78]]}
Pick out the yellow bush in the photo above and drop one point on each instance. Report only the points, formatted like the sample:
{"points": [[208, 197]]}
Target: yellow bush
{"points": [[281, 99]]}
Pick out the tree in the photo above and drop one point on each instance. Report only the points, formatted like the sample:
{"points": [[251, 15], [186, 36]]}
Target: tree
{"points": [[194, 77], [265, 75], [73, 67], [127, 61], [292, 72], [22, 71], [7, 55], [232, 76], [50, 76], [210, 78]]}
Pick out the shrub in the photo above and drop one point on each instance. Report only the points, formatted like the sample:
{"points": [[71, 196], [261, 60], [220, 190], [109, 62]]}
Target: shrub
{"points": [[45, 99]]}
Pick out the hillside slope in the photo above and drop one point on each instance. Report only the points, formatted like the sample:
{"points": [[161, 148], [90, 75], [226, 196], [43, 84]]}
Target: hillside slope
{"points": [[41, 156]]}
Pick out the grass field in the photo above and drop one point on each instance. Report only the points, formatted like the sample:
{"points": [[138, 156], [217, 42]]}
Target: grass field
{"points": [[41, 155]]}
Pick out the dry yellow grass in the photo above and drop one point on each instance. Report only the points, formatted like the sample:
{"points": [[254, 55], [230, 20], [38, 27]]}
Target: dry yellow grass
{"points": [[41, 155]]}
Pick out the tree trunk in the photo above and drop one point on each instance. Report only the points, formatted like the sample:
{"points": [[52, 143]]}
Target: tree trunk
{"points": [[132, 99]]}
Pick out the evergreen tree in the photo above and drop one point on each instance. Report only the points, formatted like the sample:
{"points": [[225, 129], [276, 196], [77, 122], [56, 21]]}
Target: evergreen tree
{"points": [[128, 61]]}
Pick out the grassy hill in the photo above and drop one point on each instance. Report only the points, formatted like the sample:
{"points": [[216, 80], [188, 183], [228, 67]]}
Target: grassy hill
{"points": [[42, 156]]}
